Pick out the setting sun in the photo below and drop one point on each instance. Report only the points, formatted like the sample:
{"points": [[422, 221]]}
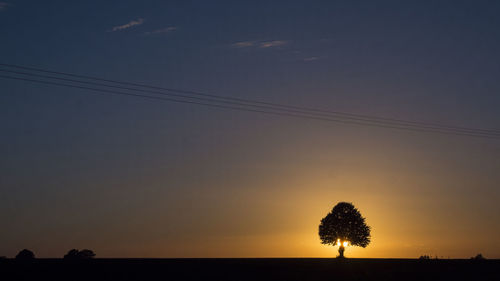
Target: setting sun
{"points": [[345, 243]]}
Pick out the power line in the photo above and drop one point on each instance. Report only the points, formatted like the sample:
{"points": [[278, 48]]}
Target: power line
{"points": [[256, 103], [304, 116], [204, 99], [481, 134]]}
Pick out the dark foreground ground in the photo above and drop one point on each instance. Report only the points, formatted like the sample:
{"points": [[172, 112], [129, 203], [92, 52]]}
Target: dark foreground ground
{"points": [[250, 269]]}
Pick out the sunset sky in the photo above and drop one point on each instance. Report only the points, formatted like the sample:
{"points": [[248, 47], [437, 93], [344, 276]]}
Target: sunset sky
{"points": [[131, 177]]}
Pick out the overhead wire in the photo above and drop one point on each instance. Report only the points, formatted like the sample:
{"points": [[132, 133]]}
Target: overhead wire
{"points": [[244, 105], [253, 102]]}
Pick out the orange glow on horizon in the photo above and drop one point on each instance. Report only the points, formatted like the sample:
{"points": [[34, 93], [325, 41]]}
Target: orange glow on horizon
{"points": [[278, 213]]}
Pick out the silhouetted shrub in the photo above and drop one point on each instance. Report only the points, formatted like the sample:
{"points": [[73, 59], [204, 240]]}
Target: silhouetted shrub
{"points": [[86, 254], [478, 257], [25, 255], [425, 257], [72, 254], [75, 254]]}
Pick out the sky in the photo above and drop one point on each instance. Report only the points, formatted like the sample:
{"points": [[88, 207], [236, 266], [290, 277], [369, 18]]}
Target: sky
{"points": [[131, 177]]}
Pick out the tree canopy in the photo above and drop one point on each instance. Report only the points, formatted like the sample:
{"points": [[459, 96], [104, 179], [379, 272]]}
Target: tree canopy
{"points": [[344, 224]]}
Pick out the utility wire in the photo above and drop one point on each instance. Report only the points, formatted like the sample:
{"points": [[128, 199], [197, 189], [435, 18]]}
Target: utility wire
{"points": [[211, 100], [261, 104], [304, 116]]}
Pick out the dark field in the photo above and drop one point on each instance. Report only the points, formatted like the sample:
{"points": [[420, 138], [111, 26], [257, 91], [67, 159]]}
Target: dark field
{"points": [[250, 269]]}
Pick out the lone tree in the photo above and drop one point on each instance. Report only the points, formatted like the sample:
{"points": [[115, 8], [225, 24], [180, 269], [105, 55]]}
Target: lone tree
{"points": [[344, 226]]}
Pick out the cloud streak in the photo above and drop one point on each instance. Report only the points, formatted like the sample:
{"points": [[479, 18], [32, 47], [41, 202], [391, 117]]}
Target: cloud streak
{"points": [[139, 21], [311, 59], [162, 30], [270, 44], [260, 44], [243, 44]]}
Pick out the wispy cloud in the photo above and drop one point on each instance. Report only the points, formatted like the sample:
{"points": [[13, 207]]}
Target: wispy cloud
{"points": [[162, 30], [270, 44], [4, 5], [244, 44], [310, 59], [259, 44], [139, 21]]}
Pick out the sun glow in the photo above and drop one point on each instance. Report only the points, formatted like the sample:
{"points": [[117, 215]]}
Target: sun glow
{"points": [[345, 243]]}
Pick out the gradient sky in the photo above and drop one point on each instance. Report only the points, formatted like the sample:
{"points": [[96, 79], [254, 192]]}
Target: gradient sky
{"points": [[129, 177]]}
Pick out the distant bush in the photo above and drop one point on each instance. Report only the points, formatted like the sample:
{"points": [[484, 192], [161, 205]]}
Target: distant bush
{"points": [[75, 254], [25, 255], [478, 257], [72, 254], [86, 254], [425, 257]]}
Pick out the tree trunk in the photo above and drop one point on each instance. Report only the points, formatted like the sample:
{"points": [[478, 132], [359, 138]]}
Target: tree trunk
{"points": [[341, 251]]}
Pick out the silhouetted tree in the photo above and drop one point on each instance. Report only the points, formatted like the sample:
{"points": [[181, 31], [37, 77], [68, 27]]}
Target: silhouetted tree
{"points": [[344, 224], [86, 254], [74, 254], [25, 255]]}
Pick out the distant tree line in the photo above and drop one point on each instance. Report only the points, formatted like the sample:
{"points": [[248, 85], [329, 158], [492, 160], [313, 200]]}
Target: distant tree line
{"points": [[73, 254], [428, 257]]}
